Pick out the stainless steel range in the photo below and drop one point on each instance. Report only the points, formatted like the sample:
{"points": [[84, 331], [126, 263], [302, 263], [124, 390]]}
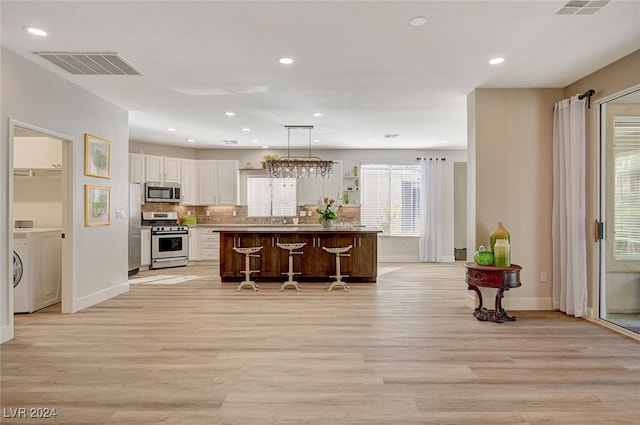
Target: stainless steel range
{"points": [[169, 240]]}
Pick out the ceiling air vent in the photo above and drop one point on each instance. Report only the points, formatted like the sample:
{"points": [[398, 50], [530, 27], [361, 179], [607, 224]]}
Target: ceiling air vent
{"points": [[391, 136], [582, 7], [230, 142], [91, 63]]}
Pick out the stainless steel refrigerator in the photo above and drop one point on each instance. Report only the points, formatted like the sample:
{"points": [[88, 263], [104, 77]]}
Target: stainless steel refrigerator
{"points": [[135, 237]]}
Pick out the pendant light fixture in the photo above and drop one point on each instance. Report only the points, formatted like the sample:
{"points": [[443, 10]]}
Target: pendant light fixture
{"points": [[294, 167]]}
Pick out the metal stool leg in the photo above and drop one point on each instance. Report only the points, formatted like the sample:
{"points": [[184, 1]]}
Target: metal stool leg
{"points": [[339, 252], [290, 282], [248, 253]]}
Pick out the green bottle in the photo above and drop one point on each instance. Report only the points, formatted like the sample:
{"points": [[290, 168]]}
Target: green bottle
{"points": [[498, 233]]}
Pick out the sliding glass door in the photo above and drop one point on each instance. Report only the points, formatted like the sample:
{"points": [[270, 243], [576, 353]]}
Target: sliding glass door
{"points": [[620, 211]]}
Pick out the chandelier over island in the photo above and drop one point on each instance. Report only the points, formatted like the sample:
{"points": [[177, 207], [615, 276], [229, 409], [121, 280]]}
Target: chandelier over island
{"points": [[294, 167]]}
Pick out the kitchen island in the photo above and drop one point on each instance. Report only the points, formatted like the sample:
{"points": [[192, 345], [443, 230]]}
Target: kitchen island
{"points": [[314, 264]]}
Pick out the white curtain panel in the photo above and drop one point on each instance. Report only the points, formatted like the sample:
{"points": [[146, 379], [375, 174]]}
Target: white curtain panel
{"points": [[569, 238], [430, 210]]}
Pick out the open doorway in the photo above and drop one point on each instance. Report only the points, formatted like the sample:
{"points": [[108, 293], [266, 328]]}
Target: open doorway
{"points": [[41, 188]]}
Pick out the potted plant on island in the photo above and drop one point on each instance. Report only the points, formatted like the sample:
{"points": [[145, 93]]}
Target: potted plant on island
{"points": [[327, 212]]}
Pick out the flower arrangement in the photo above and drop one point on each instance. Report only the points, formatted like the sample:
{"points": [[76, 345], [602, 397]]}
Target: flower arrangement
{"points": [[327, 210]]}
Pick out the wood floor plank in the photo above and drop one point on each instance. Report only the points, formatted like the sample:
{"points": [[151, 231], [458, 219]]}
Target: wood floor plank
{"points": [[403, 351]]}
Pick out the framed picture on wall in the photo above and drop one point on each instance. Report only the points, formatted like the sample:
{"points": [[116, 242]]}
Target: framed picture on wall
{"points": [[97, 157], [97, 206]]}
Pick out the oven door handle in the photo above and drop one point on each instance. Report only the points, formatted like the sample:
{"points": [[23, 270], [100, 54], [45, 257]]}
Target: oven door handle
{"points": [[166, 260]]}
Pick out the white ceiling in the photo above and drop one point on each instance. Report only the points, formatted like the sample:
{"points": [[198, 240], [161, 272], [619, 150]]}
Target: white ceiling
{"points": [[360, 63]]}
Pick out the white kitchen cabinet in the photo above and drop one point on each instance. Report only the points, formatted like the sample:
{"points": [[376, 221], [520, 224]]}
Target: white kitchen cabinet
{"points": [[136, 168], [195, 248], [217, 182], [189, 181], [145, 247], [37, 153], [228, 182], [210, 243], [162, 169]]}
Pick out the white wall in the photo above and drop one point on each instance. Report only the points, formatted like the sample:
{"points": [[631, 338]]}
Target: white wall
{"points": [[39, 98], [38, 198], [512, 173]]}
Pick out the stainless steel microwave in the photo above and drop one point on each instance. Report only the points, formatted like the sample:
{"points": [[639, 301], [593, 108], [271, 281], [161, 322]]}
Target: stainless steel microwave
{"points": [[162, 192]]}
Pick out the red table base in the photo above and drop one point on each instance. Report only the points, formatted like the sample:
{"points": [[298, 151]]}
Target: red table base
{"points": [[500, 278]]}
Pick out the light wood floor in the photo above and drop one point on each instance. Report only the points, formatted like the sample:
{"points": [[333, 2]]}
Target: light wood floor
{"points": [[404, 351]]}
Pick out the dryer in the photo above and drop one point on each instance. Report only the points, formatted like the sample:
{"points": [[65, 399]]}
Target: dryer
{"points": [[37, 269]]}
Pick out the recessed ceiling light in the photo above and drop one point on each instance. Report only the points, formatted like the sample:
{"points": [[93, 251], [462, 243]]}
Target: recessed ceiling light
{"points": [[265, 147], [316, 140], [36, 31], [496, 61], [171, 129], [246, 129], [285, 61], [444, 142], [255, 140], [229, 113], [318, 114], [418, 21], [191, 140]]}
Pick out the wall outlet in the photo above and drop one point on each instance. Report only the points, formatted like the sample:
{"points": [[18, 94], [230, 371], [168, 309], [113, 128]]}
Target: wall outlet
{"points": [[543, 276], [303, 213], [233, 213], [208, 213]]}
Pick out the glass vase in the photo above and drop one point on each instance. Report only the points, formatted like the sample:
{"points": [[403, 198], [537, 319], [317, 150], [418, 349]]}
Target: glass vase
{"points": [[502, 253], [498, 233]]}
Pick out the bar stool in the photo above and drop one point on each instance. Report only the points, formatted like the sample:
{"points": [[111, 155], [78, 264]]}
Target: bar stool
{"points": [[291, 247], [248, 253], [339, 252]]}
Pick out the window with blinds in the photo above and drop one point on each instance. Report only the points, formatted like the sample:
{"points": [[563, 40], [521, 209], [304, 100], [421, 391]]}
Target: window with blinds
{"points": [[390, 197], [271, 197], [626, 149]]}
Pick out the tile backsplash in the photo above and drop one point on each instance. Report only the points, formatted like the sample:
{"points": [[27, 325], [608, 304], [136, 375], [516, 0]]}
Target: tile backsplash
{"points": [[238, 214]]}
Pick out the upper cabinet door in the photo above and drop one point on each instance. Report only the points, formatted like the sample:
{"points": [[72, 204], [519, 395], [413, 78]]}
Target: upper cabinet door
{"points": [[228, 182], [218, 181], [189, 182], [136, 168], [162, 169], [37, 153], [172, 170], [207, 182], [154, 168]]}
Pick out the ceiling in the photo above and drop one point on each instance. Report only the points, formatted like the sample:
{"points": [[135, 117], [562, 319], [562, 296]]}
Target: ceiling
{"points": [[359, 63]]}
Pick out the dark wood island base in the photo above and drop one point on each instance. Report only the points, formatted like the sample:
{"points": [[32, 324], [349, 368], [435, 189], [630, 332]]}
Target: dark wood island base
{"points": [[313, 265], [500, 278]]}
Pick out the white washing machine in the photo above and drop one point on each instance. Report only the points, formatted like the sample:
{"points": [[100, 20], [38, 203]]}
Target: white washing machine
{"points": [[37, 269]]}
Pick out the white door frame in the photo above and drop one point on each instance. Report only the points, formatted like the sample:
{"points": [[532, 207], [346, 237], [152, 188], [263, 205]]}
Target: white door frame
{"points": [[67, 209], [599, 210]]}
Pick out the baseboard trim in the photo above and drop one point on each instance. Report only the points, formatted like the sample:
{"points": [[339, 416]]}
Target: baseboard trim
{"points": [[6, 333], [398, 259], [411, 259], [509, 303], [98, 297]]}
